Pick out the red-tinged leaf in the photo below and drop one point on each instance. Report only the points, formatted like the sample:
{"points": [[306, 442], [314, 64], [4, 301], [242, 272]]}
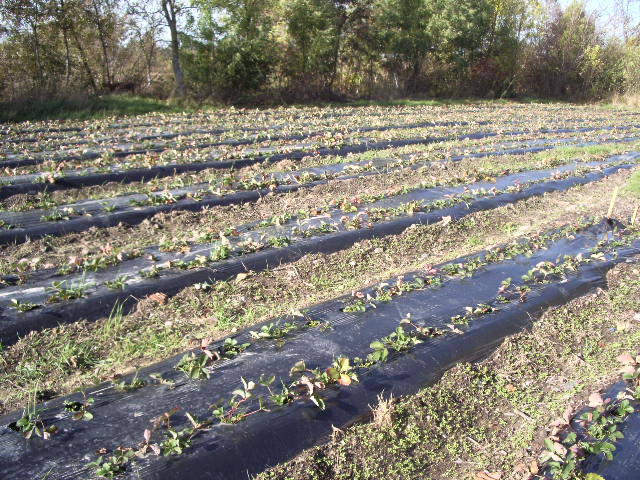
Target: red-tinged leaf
{"points": [[208, 353], [344, 380], [147, 435]]}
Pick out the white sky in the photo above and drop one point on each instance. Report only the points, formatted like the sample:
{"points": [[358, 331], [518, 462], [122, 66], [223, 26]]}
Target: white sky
{"points": [[605, 11]]}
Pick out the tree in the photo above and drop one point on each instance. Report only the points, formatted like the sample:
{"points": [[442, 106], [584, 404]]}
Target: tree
{"points": [[172, 10]]}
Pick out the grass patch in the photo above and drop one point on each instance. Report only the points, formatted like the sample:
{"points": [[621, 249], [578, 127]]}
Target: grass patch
{"points": [[566, 154], [443, 102], [84, 109], [633, 186]]}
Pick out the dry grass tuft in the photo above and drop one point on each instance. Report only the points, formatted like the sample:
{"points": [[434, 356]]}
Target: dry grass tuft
{"points": [[383, 412]]}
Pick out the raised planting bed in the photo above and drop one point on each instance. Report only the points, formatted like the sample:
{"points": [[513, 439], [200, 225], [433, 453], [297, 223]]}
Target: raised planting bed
{"points": [[134, 208], [50, 181], [234, 407], [46, 298]]}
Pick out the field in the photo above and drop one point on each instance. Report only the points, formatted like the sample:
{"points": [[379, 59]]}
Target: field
{"points": [[360, 291]]}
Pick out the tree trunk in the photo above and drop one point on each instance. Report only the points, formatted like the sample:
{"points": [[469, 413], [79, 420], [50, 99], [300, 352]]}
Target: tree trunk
{"points": [[36, 51], [67, 58], [106, 70], [85, 63], [62, 20], [170, 13]]}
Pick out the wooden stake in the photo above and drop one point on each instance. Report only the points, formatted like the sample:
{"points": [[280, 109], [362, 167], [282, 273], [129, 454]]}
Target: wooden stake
{"points": [[613, 202], [635, 215]]}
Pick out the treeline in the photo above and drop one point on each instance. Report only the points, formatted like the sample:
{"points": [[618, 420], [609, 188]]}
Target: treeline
{"points": [[297, 50]]}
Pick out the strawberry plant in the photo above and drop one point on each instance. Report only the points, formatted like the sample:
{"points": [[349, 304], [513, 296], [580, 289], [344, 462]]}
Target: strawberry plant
{"points": [[231, 348], [194, 366], [23, 306], [80, 410], [235, 411], [134, 384], [113, 466], [273, 331], [31, 422], [63, 291], [118, 283]]}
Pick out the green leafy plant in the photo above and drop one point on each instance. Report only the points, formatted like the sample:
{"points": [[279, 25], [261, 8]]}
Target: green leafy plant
{"points": [[134, 384], [118, 283], [231, 348], [23, 306], [194, 366], [235, 412], [63, 291], [358, 305], [80, 410], [111, 467], [273, 331], [153, 272]]}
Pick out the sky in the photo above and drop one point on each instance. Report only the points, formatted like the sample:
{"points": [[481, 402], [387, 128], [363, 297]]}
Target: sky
{"points": [[605, 11]]}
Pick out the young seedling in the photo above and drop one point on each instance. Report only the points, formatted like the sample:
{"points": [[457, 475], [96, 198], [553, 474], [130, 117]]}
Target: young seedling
{"points": [[358, 305], [195, 366], [109, 207], [153, 272], [134, 384], [284, 396], [62, 291], [312, 381], [160, 380], [31, 423], [118, 283], [273, 331], [80, 410], [23, 306], [235, 411], [231, 348], [111, 467]]}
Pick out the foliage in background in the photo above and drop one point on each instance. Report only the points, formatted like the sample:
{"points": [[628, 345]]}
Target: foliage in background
{"points": [[301, 50]]}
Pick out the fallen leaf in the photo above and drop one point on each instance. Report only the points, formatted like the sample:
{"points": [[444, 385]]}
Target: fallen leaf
{"points": [[241, 276], [623, 326], [628, 370], [488, 475], [159, 298], [626, 359], [446, 220], [595, 400]]}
